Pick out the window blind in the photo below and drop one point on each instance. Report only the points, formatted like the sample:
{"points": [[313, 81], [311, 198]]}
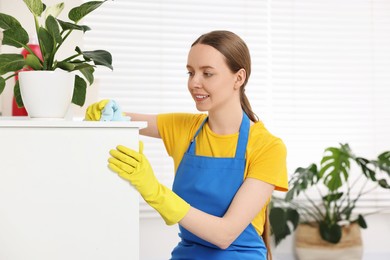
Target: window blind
{"points": [[320, 69]]}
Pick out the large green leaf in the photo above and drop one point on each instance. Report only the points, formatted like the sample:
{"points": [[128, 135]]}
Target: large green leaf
{"points": [[335, 167], [71, 26], [78, 13], [46, 42], [2, 84], [99, 57], [80, 91], [53, 29], [16, 36], [8, 22], [279, 220], [35, 6], [11, 63]]}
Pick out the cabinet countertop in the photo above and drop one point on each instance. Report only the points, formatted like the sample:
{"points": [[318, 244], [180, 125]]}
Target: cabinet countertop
{"points": [[65, 123]]}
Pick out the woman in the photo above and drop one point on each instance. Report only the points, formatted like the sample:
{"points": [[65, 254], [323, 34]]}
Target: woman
{"points": [[227, 163]]}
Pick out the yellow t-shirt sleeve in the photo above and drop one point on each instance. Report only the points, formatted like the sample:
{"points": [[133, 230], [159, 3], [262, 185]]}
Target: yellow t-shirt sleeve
{"points": [[269, 164]]}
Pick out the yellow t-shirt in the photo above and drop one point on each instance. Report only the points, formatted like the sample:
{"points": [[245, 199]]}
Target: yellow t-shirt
{"points": [[265, 153]]}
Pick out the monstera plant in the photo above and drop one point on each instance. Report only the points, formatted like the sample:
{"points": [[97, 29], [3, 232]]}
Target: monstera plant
{"points": [[328, 194], [51, 33]]}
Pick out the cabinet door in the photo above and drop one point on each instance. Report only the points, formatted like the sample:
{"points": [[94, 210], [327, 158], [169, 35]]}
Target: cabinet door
{"points": [[58, 199]]}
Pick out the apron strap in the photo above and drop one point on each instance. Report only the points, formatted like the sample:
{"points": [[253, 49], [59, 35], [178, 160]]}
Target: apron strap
{"points": [[242, 137], [191, 148]]}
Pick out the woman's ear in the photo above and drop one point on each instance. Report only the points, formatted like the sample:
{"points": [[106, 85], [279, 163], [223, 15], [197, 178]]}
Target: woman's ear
{"points": [[240, 78]]}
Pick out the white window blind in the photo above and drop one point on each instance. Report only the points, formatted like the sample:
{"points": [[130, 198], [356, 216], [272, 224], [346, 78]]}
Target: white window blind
{"points": [[320, 69]]}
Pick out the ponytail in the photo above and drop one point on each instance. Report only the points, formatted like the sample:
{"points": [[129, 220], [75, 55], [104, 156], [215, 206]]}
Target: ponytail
{"points": [[246, 106], [266, 235]]}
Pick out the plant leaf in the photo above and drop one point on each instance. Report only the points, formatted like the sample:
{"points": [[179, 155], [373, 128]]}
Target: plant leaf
{"points": [[383, 183], [78, 13], [331, 233], [361, 221], [11, 63], [68, 66], [16, 36], [333, 196], [278, 223], [364, 165], [80, 90], [33, 62], [384, 162], [53, 29], [46, 42], [71, 26], [8, 22], [293, 217], [35, 6], [18, 95], [335, 166], [301, 180], [87, 70], [54, 10], [99, 57], [2, 84]]}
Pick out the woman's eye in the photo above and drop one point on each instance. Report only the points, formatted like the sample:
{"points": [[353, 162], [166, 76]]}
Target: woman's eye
{"points": [[208, 74], [190, 74]]}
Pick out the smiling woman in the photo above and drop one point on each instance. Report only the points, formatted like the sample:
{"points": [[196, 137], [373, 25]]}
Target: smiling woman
{"points": [[316, 84]]}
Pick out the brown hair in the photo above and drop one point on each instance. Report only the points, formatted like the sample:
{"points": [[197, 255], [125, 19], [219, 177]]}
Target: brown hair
{"points": [[237, 57]]}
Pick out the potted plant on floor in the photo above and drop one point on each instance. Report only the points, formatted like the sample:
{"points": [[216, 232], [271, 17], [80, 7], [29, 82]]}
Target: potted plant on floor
{"points": [[321, 204], [75, 71]]}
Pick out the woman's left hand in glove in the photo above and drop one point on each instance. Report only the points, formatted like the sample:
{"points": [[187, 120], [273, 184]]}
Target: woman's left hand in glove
{"points": [[134, 167]]}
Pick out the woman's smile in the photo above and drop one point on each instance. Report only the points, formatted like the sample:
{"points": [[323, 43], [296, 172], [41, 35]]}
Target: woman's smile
{"points": [[200, 98]]}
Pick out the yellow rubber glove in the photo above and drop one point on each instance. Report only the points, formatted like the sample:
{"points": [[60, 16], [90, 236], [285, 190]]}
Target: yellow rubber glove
{"points": [[105, 110], [135, 167], [94, 111]]}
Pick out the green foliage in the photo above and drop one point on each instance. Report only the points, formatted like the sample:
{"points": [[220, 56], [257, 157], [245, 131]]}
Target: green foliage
{"points": [[338, 193], [52, 33]]}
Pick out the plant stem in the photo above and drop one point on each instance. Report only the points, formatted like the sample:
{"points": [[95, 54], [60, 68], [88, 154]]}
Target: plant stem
{"points": [[13, 75], [314, 205], [71, 57]]}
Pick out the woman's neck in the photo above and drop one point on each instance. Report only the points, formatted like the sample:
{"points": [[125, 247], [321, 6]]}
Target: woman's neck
{"points": [[225, 122]]}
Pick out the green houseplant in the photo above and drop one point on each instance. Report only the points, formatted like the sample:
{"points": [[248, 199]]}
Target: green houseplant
{"points": [[51, 34], [340, 180]]}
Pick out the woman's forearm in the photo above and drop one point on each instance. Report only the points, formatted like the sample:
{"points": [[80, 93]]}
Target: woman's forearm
{"points": [[151, 130], [222, 231]]}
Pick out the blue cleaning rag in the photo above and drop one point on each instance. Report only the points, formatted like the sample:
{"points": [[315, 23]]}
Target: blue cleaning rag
{"points": [[112, 112]]}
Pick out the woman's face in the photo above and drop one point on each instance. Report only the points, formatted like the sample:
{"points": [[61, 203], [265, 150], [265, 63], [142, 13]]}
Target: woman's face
{"points": [[211, 83]]}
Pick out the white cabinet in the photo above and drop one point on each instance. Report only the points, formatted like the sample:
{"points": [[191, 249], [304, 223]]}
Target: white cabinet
{"points": [[58, 199]]}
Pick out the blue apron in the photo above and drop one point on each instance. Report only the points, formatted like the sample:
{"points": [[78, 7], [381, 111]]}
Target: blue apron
{"points": [[210, 184]]}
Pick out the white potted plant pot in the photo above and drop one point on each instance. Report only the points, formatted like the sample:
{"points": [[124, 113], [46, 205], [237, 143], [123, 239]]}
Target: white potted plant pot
{"points": [[46, 94]]}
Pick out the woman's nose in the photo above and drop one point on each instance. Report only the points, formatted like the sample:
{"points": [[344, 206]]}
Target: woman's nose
{"points": [[194, 82]]}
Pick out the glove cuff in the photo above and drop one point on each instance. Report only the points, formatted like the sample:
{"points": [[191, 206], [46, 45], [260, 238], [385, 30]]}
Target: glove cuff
{"points": [[170, 206]]}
